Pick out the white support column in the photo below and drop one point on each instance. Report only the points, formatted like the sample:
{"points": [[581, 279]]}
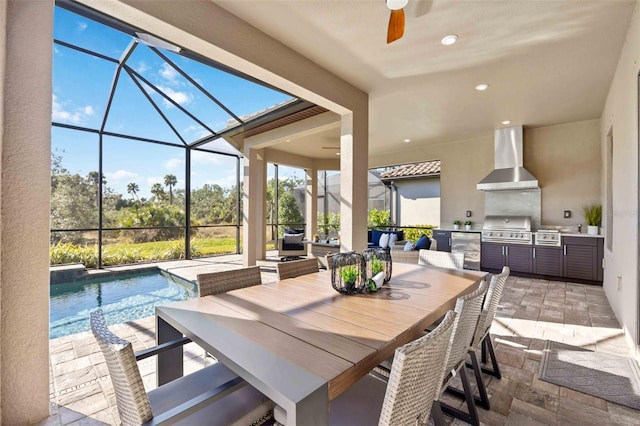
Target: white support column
{"points": [[25, 155], [311, 202], [253, 197], [353, 181]]}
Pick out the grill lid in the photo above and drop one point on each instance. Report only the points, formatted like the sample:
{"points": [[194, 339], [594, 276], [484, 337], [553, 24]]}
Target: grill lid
{"points": [[516, 223]]}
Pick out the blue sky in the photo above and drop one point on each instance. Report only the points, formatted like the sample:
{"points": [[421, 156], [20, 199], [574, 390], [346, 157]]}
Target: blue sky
{"points": [[81, 85]]}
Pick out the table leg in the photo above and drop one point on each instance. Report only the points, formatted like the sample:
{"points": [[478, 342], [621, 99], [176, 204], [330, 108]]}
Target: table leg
{"points": [[312, 410], [169, 364]]}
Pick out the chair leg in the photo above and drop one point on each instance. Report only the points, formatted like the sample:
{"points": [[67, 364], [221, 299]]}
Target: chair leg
{"points": [[494, 362], [483, 399], [436, 414], [472, 416], [484, 350]]}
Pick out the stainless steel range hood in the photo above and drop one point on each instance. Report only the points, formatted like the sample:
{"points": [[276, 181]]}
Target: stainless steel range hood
{"points": [[509, 172]]}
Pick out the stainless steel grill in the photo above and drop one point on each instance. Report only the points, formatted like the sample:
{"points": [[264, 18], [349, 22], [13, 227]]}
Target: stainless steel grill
{"points": [[547, 237], [507, 229]]}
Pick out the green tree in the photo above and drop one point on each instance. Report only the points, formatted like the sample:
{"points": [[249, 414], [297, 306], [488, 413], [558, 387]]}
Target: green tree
{"points": [[288, 210], [158, 191], [379, 218], [133, 188], [170, 181]]}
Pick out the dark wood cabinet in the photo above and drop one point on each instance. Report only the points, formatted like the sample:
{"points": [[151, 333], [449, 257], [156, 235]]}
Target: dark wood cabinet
{"points": [[443, 239], [548, 261], [583, 257], [517, 257]]}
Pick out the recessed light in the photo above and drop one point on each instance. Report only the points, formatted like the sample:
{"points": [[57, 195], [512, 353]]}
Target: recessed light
{"points": [[288, 140], [449, 39], [481, 87], [505, 122], [337, 153], [406, 140]]}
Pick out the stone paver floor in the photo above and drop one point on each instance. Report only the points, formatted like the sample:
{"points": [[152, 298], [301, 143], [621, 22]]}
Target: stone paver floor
{"points": [[531, 311]]}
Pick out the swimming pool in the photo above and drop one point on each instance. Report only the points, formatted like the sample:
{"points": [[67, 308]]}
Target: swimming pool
{"points": [[122, 298]]}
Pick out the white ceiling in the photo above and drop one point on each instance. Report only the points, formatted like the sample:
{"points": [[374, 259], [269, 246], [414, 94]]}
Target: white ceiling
{"points": [[547, 62]]}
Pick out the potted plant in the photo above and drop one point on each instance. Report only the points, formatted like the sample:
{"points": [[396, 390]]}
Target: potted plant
{"points": [[467, 224], [593, 216], [377, 274], [456, 224], [349, 274]]}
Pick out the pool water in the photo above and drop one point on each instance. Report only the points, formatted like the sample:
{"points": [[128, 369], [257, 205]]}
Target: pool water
{"points": [[122, 298]]}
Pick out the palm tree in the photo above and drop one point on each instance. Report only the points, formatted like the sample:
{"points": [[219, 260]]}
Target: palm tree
{"points": [[170, 181], [133, 189], [158, 192]]}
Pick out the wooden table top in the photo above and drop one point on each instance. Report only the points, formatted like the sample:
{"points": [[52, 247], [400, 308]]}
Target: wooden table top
{"points": [[315, 330]]}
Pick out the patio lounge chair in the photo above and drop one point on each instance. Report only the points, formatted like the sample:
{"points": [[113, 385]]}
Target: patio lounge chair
{"points": [[213, 396]]}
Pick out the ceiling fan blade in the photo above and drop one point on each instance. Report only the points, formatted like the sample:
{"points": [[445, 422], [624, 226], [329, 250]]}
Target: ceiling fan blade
{"points": [[396, 25]]}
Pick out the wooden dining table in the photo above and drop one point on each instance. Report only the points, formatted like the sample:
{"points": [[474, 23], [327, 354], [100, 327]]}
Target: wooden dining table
{"points": [[300, 342]]}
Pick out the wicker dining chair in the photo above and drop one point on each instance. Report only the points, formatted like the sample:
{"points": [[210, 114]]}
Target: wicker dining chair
{"points": [[482, 339], [468, 310], [223, 281], [410, 395], [213, 395], [441, 259], [295, 268]]}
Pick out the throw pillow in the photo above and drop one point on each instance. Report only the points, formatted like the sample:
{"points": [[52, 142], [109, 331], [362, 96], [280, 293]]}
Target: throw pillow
{"points": [[392, 239], [293, 238], [423, 243], [375, 236], [293, 231], [384, 240], [409, 246]]}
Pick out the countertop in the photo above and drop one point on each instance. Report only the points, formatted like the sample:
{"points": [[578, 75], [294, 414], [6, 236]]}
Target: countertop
{"points": [[461, 229], [584, 234]]}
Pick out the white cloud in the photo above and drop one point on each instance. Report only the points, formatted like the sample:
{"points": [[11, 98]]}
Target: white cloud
{"points": [[142, 67], [120, 175], [173, 164], [78, 116], [82, 26], [200, 157], [225, 182], [155, 179], [169, 73], [197, 131], [181, 98]]}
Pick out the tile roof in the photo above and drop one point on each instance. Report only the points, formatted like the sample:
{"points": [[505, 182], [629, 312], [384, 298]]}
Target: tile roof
{"points": [[428, 168]]}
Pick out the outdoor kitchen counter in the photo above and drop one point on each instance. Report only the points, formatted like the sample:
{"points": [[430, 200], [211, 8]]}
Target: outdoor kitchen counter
{"points": [[568, 234], [461, 229]]}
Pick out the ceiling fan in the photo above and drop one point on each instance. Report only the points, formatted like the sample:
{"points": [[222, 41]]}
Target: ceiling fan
{"points": [[396, 19]]}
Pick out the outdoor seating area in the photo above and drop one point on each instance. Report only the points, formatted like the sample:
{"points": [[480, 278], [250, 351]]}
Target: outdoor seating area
{"points": [[529, 312]]}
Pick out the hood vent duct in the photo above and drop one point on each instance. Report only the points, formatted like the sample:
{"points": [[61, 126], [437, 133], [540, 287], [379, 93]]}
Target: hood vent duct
{"points": [[509, 172]]}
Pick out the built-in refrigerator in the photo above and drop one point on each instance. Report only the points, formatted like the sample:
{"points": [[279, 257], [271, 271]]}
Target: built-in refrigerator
{"points": [[467, 243]]}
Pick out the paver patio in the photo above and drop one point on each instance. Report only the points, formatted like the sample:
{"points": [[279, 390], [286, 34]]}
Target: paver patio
{"points": [[530, 312]]}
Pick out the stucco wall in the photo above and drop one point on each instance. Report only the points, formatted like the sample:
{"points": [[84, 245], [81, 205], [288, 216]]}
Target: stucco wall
{"points": [[565, 158], [463, 164], [25, 132], [620, 116], [419, 202], [566, 161]]}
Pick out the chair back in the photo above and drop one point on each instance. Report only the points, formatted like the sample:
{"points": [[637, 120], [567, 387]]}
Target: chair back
{"points": [[416, 377], [295, 268], [441, 259], [223, 281], [490, 306], [131, 398], [468, 310]]}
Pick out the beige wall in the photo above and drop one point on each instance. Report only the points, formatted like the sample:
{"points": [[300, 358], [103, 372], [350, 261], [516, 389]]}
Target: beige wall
{"points": [[620, 116], [566, 161], [463, 164], [25, 132], [564, 158]]}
